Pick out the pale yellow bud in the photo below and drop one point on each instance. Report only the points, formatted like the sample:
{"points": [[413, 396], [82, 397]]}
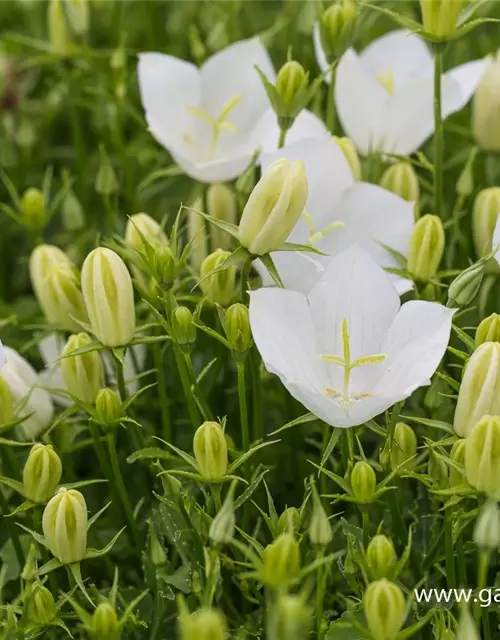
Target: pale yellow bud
{"points": [[218, 288], [404, 447], [210, 450], [401, 179], [440, 17], [486, 108], [78, 15], [221, 204], [204, 624], [42, 473], [484, 218], [281, 561], [59, 35], [426, 248], [197, 235], [487, 528], [488, 330], [482, 456], [143, 224], [348, 148], [363, 482], [82, 374], [384, 605], [380, 557], [64, 526]]}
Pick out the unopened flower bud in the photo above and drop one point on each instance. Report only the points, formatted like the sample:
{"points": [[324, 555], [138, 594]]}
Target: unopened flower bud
{"points": [[210, 450], [106, 182], [72, 213], [33, 208], [320, 529], [183, 327], [78, 15], [380, 557], [204, 624], [484, 219], [109, 408], [82, 374], [437, 470], [221, 204], [30, 569], [404, 447], [293, 618], [64, 526], [42, 473], [488, 330], [363, 482], [109, 297], [218, 288], [466, 285], [59, 36], [104, 624], [336, 28], [426, 248], [164, 266], [348, 148], [482, 456], [237, 327], [401, 179], [467, 629], [457, 456], [197, 235], [289, 521], [486, 107], [487, 528], [439, 17], [142, 224], [157, 552], [41, 606], [290, 81], [223, 525], [171, 485], [7, 414], [479, 393], [274, 207], [281, 561], [384, 605]]}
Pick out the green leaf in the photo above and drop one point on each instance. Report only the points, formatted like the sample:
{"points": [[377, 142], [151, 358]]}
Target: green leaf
{"points": [[399, 18], [307, 417], [37, 536], [75, 571], [49, 566], [228, 227], [249, 490], [343, 484], [96, 553], [150, 453], [97, 515], [268, 262], [300, 248], [245, 456], [437, 424], [13, 484], [332, 443], [83, 483], [182, 454]]}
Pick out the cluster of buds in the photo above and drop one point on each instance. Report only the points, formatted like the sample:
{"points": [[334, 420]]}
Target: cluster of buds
{"points": [[336, 28]]}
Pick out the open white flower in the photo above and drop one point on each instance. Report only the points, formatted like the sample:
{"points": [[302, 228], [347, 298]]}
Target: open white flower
{"points": [[348, 351], [339, 212], [384, 95], [213, 119]]}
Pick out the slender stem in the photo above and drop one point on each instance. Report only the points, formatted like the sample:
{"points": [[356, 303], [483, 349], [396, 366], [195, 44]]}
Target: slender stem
{"points": [[242, 397], [166, 421], [216, 496], [365, 525], [330, 103], [186, 387], [438, 132], [245, 270], [104, 463], [282, 138], [137, 433], [320, 596], [199, 396], [451, 579], [13, 530], [257, 408], [462, 568], [483, 563]]}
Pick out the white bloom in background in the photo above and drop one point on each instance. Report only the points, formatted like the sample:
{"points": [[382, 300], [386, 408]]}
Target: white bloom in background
{"points": [[369, 214], [348, 350], [28, 398], [2, 355], [213, 119], [384, 95]]}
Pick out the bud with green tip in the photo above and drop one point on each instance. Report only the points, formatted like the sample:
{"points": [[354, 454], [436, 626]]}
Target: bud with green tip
{"points": [[41, 605], [223, 525], [426, 248], [7, 414], [487, 528], [221, 204], [82, 374], [164, 267], [486, 107], [218, 288], [182, 326], [363, 482], [210, 451], [439, 17], [348, 148], [204, 624], [104, 623], [59, 35], [293, 618], [437, 470], [385, 609], [380, 557], [289, 521], [281, 561], [291, 80], [64, 526], [320, 529], [42, 473], [482, 456], [157, 552], [237, 327], [488, 330], [106, 182], [141, 224], [484, 219], [466, 285], [109, 408], [73, 216], [479, 393], [33, 208], [30, 569], [336, 28], [401, 179], [78, 15], [274, 207], [457, 456], [197, 235], [109, 297], [404, 447]]}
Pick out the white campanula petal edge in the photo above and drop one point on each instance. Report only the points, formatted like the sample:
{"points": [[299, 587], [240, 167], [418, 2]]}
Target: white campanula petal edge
{"points": [[2, 355], [495, 242]]}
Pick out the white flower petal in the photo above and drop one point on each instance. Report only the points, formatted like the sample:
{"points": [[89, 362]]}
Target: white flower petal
{"points": [[298, 271], [51, 377], [320, 54], [467, 78], [324, 407], [496, 239], [2, 355], [222, 169]]}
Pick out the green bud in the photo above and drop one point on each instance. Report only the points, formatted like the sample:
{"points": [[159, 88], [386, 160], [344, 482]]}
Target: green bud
{"points": [[142, 224], [486, 107], [467, 629], [30, 569], [221, 204], [482, 456], [104, 624], [336, 28], [484, 219], [380, 557], [293, 618], [25, 134], [164, 266], [204, 624], [466, 285], [487, 528], [437, 470], [183, 327], [210, 451], [237, 327], [223, 525], [171, 485], [78, 15], [439, 17], [82, 374], [108, 407], [457, 455], [348, 148], [281, 561], [426, 248], [218, 288], [197, 235], [289, 521], [33, 208], [42, 473], [291, 80], [72, 212], [488, 330], [59, 36], [363, 482], [401, 179], [384, 605], [479, 393], [157, 552], [320, 530], [404, 447], [41, 605], [6, 403], [64, 526], [106, 182]]}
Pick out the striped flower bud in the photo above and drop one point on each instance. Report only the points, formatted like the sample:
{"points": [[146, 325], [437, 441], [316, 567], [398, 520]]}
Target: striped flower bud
{"points": [[83, 373], [64, 526], [42, 473]]}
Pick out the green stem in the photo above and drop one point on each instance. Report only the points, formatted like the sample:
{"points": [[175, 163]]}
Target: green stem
{"points": [[282, 138], [242, 397], [199, 396], [216, 495], [320, 596], [451, 579], [13, 530], [330, 104], [257, 408], [136, 431], [166, 422], [439, 131], [186, 387], [365, 520], [245, 271]]}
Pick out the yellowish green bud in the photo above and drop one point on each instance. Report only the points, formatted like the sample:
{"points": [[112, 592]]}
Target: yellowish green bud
{"points": [[142, 223], [363, 482], [78, 15], [104, 624], [164, 266], [171, 485], [106, 181], [183, 327], [157, 552], [384, 605], [291, 79], [439, 17], [64, 526], [457, 455], [210, 450], [380, 557], [294, 618], [41, 606], [487, 528], [109, 408], [7, 414], [218, 288], [289, 521], [401, 179], [320, 529], [488, 330], [221, 204], [33, 208], [348, 148], [204, 624], [109, 297], [467, 629], [404, 447], [484, 218], [30, 569], [281, 561], [42, 473], [274, 207], [337, 26], [59, 36], [466, 285], [82, 374], [426, 248], [482, 456], [197, 235], [223, 525], [486, 107], [479, 393], [73, 216], [437, 469], [237, 327]]}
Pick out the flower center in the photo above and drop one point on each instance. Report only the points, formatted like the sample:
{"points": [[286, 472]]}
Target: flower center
{"points": [[219, 124], [316, 236], [346, 398], [387, 79]]}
